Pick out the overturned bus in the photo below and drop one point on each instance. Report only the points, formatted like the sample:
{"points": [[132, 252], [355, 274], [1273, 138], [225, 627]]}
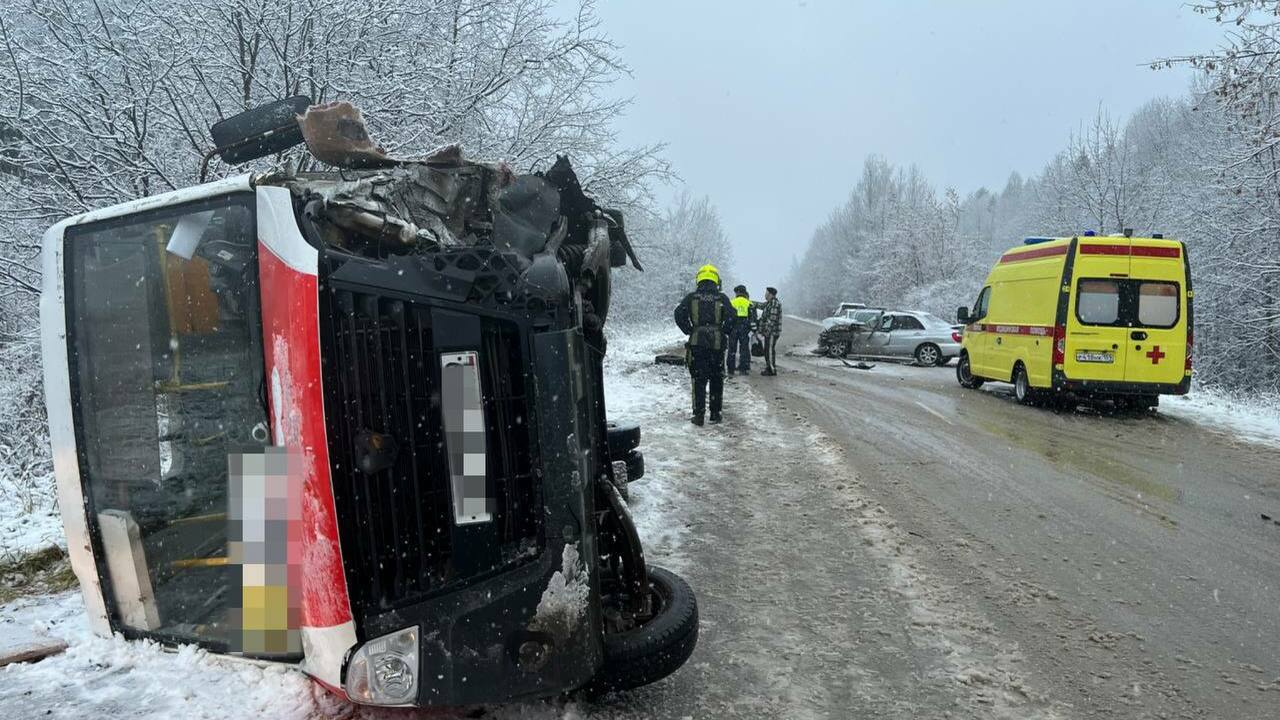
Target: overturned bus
{"points": [[354, 421]]}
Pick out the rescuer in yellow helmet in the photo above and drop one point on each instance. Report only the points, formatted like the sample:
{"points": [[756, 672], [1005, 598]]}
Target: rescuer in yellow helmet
{"points": [[744, 321], [706, 316]]}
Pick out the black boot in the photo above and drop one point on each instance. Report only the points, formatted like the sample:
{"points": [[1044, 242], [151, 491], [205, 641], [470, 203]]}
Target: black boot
{"points": [[697, 420], [715, 418]]}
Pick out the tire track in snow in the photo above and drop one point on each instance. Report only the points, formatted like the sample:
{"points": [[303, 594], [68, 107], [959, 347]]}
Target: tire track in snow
{"points": [[982, 670]]}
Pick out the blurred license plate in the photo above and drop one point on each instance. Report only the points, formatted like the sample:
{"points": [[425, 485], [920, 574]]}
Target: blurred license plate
{"points": [[1094, 356]]}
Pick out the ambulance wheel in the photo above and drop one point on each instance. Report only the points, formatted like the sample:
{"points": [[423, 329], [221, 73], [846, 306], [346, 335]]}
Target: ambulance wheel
{"points": [[964, 374], [1022, 389], [657, 648], [929, 354]]}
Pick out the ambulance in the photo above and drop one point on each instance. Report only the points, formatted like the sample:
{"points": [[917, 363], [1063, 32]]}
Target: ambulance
{"points": [[1106, 317], [353, 421]]}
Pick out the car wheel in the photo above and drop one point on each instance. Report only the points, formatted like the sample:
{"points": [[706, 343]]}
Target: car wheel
{"points": [[657, 648], [964, 374], [928, 354], [1022, 389]]}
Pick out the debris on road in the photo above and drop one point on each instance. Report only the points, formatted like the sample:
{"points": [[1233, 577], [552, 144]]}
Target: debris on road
{"points": [[28, 646]]}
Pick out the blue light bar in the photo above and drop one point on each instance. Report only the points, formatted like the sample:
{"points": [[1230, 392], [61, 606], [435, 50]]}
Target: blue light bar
{"points": [[1036, 240], [1089, 233]]}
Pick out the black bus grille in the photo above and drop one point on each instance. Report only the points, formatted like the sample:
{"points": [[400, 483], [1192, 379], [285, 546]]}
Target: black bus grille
{"points": [[388, 456]]}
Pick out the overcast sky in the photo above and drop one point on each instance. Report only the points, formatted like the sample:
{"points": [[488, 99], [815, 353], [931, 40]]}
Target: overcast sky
{"points": [[770, 107]]}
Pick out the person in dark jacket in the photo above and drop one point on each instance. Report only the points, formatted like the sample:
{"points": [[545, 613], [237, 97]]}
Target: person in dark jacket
{"points": [[706, 316], [744, 321], [771, 330]]}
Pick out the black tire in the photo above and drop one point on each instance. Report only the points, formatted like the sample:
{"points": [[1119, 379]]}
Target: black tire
{"points": [[635, 465], [657, 648], [258, 120], [622, 439], [965, 376], [1022, 390], [928, 354]]}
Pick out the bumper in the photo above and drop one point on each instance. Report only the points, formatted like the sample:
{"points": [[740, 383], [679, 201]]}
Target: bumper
{"points": [[516, 636], [1104, 387], [950, 349]]}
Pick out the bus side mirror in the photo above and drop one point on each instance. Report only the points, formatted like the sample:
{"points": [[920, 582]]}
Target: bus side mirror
{"points": [[962, 315]]}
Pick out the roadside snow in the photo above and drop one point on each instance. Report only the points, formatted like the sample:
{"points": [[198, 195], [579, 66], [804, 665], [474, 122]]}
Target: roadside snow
{"points": [[656, 397], [109, 677], [1253, 421], [23, 533]]}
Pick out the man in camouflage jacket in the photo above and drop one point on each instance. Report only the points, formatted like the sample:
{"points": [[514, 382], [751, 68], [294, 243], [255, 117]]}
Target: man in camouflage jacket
{"points": [[770, 329]]}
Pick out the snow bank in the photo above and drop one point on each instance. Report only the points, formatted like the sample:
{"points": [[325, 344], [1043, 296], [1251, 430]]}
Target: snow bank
{"points": [[109, 677], [1251, 419]]}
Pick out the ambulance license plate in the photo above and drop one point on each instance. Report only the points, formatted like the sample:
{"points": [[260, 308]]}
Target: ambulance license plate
{"points": [[1094, 356]]}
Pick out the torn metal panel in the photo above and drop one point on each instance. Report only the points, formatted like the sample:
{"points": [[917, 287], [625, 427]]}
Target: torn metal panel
{"points": [[335, 134]]}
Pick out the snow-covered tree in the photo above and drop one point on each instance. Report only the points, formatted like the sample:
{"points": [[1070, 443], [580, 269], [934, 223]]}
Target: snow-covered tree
{"points": [[107, 100], [672, 245]]}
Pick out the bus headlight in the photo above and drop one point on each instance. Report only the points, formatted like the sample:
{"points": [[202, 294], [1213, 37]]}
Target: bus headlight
{"points": [[384, 671]]}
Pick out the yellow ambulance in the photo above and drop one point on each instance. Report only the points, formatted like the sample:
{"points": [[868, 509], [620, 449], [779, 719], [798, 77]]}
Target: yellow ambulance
{"points": [[1101, 316]]}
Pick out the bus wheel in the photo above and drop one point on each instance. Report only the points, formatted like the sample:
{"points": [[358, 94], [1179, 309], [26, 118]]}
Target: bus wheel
{"points": [[965, 375], [1022, 389]]}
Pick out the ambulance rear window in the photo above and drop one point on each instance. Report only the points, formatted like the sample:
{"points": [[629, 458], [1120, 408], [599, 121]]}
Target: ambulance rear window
{"points": [[1158, 304], [1127, 303], [1099, 302]]}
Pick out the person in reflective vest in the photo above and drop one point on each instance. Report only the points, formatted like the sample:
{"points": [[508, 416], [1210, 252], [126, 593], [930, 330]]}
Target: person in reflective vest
{"points": [[706, 316], [744, 322]]}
